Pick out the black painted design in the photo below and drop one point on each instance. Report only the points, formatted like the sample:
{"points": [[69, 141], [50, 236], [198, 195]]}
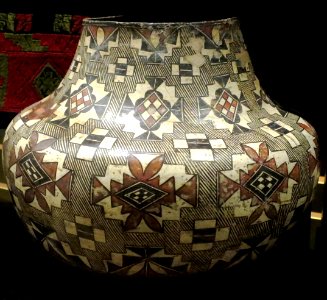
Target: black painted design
{"points": [[159, 153], [141, 195], [204, 235], [226, 105], [152, 109], [264, 182], [33, 171], [278, 128]]}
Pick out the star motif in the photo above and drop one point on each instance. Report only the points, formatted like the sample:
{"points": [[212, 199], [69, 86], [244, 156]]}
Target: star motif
{"points": [[145, 196]]}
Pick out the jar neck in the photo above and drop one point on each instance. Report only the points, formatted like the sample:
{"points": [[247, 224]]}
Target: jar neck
{"points": [[191, 57]]}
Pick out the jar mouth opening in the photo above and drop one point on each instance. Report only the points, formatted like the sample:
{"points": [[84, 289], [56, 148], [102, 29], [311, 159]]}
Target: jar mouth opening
{"points": [[123, 21]]}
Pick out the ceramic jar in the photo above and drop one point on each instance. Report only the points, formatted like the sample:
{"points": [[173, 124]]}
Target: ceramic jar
{"points": [[159, 153]]}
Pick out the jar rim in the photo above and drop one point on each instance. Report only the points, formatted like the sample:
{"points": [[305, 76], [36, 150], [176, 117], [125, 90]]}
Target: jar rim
{"points": [[111, 20]]}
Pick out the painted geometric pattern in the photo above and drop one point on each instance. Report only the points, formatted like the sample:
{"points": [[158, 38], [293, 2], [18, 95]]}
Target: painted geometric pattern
{"points": [[142, 197], [90, 143], [159, 154], [242, 65], [152, 109], [201, 148], [225, 106], [146, 262], [278, 128], [151, 115], [79, 101], [185, 71], [53, 245], [121, 69], [263, 183], [79, 104], [33, 171], [35, 114], [75, 67], [87, 235], [248, 249], [204, 234], [155, 45], [39, 176]]}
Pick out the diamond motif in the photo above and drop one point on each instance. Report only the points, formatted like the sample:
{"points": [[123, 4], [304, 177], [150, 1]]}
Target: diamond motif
{"points": [[227, 106], [152, 110], [47, 81], [140, 195], [264, 182], [33, 171], [80, 100]]}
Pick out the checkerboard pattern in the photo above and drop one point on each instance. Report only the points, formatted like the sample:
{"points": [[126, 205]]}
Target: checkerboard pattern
{"points": [[90, 143], [207, 164], [240, 70], [204, 235], [121, 69], [87, 235], [227, 105], [278, 128], [201, 148], [152, 109], [141, 195], [75, 66], [185, 71], [264, 182], [80, 100]]}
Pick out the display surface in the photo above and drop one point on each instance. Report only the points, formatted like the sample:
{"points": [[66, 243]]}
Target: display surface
{"points": [[159, 153]]}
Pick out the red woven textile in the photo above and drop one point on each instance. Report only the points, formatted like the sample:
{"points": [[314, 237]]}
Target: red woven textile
{"points": [[32, 64]]}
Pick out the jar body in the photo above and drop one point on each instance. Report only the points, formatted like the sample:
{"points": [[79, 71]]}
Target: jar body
{"points": [[159, 153]]}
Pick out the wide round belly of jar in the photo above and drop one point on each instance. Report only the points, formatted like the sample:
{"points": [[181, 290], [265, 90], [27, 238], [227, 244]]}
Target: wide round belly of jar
{"points": [[159, 153]]}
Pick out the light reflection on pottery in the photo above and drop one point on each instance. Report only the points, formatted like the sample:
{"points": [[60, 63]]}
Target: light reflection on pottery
{"points": [[159, 153]]}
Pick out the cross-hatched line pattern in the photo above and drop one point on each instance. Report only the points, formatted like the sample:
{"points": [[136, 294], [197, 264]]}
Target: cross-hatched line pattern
{"points": [[204, 234], [87, 235], [90, 143], [200, 147], [158, 153]]}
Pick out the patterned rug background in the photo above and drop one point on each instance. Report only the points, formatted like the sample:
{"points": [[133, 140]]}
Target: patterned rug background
{"points": [[35, 53]]}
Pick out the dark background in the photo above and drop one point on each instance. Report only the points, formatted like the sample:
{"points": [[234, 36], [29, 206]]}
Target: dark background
{"points": [[287, 52], [284, 40], [290, 270]]}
